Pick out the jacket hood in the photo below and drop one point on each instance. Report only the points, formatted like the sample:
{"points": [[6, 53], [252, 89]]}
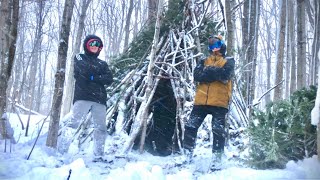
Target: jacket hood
{"points": [[85, 46]]}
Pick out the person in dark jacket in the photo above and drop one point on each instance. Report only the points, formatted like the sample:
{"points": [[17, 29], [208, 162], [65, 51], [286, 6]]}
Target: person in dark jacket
{"points": [[213, 94], [92, 75]]}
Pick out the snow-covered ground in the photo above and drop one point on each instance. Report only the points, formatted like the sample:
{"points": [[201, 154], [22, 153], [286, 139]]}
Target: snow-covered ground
{"points": [[46, 163]]}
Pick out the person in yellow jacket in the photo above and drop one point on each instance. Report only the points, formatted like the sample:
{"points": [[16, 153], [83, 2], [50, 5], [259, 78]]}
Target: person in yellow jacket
{"points": [[213, 94]]}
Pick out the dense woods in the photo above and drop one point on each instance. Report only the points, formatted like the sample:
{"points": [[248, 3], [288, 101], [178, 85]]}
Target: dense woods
{"points": [[152, 46]]}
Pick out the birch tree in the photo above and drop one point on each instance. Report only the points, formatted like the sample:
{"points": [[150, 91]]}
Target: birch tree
{"points": [[60, 74]]}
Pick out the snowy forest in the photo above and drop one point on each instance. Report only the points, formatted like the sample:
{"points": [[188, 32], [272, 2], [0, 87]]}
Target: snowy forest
{"points": [[152, 48]]}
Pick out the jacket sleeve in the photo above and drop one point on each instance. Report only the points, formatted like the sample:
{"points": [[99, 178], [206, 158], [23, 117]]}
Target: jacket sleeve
{"points": [[81, 69], [209, 74], [105, 77]]}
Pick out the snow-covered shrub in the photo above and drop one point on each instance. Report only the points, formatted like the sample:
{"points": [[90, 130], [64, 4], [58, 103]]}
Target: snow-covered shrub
{"points": [[283, 131]]}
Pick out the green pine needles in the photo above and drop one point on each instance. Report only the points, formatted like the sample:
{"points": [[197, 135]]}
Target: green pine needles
{"points": [[283, 132]]}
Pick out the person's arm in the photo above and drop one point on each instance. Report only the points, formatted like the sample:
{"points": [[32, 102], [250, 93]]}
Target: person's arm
{"points": [[105, 77], [208, 74]]}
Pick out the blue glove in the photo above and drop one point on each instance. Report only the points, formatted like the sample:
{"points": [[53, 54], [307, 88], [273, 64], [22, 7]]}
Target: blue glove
{"points": [[91, 77]]}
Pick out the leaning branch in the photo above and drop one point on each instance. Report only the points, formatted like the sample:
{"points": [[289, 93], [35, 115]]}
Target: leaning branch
{"points": [[259, 100]]}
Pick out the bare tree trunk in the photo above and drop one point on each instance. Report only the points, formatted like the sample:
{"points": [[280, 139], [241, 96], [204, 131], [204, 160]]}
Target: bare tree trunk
{"points": [[230, 28], [250, 22], [256, 26], [137, 17], [152, 10], [69, 85], [127, 27], [293, 76], [316, 42], [60, 74], [4, 77], [251, 54], [245, 44], [267, 49], [8, 36], [287, 63], [301, 44], [278, 93]]}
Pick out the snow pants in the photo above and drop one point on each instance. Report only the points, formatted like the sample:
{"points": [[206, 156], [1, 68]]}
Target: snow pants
{"points": [[197, 116], [80, 110]]}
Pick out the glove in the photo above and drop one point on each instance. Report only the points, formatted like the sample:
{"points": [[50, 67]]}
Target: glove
{"points": [[91, 77]]}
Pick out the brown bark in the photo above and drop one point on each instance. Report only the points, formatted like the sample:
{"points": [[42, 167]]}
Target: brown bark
{"points": [[301, 44], [230, 28], [280, 51], [8, 36], [60, 74]]}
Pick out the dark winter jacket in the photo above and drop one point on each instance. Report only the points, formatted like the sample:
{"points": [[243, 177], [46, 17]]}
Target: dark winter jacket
{"points": [[214, 76], [91, 74]]}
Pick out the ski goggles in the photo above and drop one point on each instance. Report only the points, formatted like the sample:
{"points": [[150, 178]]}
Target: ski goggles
{"points": [[214, 43], [94, 42]]}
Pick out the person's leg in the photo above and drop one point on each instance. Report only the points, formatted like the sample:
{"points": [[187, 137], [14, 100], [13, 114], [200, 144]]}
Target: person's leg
{"points": [[100, 128], [219, 134], [79, 110], [197, 116], [218, 128]]}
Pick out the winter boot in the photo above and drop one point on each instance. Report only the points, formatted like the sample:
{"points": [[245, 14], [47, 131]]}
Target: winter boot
{"points": [[217, 161]]}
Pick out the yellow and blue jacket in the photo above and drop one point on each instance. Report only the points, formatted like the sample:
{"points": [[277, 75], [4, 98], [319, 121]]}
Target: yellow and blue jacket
{"points": [[214, 76]]}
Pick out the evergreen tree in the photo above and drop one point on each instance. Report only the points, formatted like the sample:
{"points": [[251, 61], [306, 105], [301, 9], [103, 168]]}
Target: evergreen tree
{"points": [[283, 131]]}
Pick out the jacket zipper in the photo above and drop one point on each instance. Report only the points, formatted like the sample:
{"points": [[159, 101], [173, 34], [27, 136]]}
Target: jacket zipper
{"points": [[215, 60], [207, 95]]}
